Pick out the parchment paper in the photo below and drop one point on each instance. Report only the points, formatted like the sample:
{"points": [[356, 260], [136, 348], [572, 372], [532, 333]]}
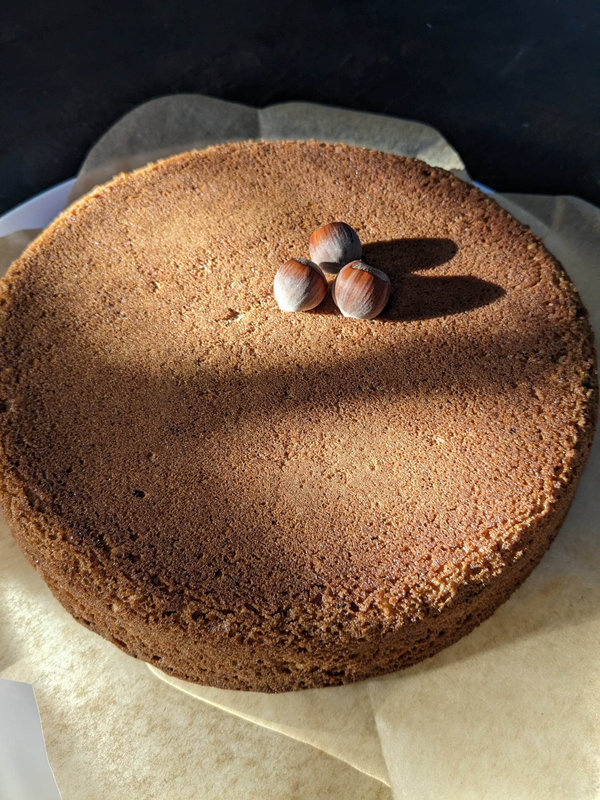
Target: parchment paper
{"points": [[512, 709]]}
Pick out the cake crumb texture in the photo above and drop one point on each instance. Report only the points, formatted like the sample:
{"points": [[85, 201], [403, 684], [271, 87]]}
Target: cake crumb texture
{"points": [[258, 500]]}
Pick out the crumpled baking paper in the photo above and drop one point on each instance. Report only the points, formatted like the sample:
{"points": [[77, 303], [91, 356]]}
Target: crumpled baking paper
{"points": [[513, 709]]}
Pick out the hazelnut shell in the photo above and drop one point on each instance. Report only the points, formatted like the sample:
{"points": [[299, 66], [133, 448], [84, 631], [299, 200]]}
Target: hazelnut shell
{"points": [[361, 291], [299, 285], [334, 245]]}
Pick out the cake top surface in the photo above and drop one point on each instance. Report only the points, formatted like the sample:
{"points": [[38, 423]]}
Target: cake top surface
{"points": [[178, 429]]}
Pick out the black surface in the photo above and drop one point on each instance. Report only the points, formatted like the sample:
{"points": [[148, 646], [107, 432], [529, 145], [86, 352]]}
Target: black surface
{"points": [[515, 86]]}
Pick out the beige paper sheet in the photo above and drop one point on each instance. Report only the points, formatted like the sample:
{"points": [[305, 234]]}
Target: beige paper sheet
{"points": [[511, 709]]}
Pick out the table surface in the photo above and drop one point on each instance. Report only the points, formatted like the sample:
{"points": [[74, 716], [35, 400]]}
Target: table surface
{"points": [[513, 86]]}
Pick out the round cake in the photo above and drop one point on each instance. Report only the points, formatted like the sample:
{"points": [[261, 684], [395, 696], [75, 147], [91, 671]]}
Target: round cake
{"points": [[259, 500]]}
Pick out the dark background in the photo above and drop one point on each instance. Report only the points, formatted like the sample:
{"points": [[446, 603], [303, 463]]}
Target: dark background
{"points": [[514, 86]]}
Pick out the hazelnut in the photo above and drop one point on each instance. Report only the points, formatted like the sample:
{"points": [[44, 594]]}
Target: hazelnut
{"points": [[334, 245], [361, 291], [299, 285]]}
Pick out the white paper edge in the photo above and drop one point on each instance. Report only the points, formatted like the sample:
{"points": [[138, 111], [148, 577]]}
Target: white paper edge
{"points": [[37, 212], [25, 771]]}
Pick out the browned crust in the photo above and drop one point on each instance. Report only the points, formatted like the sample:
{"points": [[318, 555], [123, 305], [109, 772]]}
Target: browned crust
{"points": [[189, 636]]}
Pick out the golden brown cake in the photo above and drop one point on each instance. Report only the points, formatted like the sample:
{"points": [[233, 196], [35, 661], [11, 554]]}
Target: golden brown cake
{"points": [[258, 500]]}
